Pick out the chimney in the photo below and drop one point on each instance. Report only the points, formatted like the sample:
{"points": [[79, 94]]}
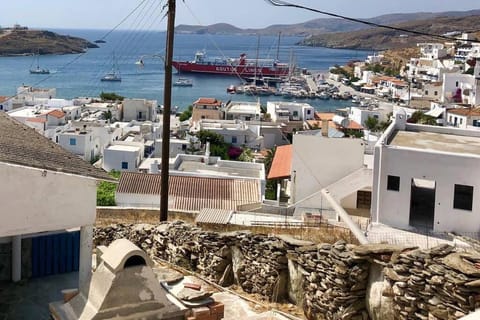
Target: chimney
{"points": [[207, 152], [154, 167]]}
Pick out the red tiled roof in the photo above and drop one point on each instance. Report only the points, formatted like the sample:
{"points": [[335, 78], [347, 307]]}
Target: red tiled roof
{"points": [[194, 193], [39, 120], [3, 98], [208, 101], [282, 163], [324, 115], [354, 125], [468, 112], [56, 113]]}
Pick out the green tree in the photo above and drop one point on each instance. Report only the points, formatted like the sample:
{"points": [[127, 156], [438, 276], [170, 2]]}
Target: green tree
{"points": [[421, 118], [110, 96], [106, 191], [207, 135], [371, 123], [187, 114], [246, 156]]}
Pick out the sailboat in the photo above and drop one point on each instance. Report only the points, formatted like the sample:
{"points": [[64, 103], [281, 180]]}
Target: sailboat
{"points": [[38, 70], [114, 74]]}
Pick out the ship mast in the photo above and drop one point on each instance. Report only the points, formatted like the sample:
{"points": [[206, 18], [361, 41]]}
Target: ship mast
{"points": [[278, 44]]}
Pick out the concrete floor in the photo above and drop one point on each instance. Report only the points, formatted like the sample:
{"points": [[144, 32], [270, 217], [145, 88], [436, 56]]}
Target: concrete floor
{"points": [[29, 299]]}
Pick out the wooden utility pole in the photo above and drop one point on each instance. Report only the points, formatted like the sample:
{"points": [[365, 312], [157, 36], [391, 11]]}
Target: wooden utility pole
{"points": [[167, 102]]}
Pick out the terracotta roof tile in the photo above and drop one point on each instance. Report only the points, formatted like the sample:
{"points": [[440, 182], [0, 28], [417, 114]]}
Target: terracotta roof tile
{"points": [[208, 101], [22, 145], [324, 115], [3, 98], [194, 193], [56, 113], [354, 125], [469, 112], [37, 119], [282, 163]]}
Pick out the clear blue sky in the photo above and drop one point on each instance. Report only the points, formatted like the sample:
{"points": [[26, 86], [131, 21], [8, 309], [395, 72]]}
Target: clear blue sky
{"points": [[104, 14]]}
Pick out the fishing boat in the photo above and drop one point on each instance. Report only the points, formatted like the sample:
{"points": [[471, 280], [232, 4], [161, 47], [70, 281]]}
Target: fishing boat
{"points": [[183, 82], [114, 74], [38, 69], [241, 66]]}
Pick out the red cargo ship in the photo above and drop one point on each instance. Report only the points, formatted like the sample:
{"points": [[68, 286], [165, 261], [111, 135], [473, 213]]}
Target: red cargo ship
{"points": [[241, 66]]}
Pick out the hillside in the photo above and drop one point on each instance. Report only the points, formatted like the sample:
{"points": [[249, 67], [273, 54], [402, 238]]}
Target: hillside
{"points": [[323, 25], [24, 42], [381, 39]]}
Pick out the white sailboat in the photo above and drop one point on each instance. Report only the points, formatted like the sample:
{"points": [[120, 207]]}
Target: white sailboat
{"points": [[114, 74], [38, 69]]}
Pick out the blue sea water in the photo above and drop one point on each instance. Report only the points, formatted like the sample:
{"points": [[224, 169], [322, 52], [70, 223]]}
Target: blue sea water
{"points": [[75, 75]]}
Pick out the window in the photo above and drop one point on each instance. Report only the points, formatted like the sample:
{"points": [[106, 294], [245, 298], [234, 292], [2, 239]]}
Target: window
{"points": [[461, 120], [234, 139], [393, 183], [124, 165], [435, 93], [73, 141], [295, 113], [140, 115], [426, 92], [184, 147], [375, 116], [309, 111], [456, 84], [450, 119], [476, 123], [463, 197]]}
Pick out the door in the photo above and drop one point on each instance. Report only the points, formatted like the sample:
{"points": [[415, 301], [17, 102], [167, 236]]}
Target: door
{"points": [[422, 203], [55, 253]]}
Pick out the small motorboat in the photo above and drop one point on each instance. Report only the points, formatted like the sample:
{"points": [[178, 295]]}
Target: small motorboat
{"points": [[183, 82]]}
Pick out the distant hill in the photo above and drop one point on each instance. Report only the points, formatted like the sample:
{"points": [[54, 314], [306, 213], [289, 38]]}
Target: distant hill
{"points": [[323, 25], [381, 38], [24, 42]]}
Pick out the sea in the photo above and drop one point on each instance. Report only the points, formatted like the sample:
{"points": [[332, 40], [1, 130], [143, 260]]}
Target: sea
{"points": [[78, 75]]}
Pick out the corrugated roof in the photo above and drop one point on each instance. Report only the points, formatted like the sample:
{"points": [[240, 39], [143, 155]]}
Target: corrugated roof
{"points": [[194, 193], [22, 145], [214, 216], [282, 163]]}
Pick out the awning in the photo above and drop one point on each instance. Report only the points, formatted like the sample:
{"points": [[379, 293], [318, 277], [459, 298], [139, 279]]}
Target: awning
{"points": [[436, 112]]}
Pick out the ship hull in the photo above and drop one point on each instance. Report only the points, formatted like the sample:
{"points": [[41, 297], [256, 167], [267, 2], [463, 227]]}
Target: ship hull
{"points": [[242, 71]]}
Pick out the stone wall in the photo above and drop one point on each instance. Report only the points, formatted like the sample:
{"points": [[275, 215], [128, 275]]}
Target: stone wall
{"points": [[330, 281]]}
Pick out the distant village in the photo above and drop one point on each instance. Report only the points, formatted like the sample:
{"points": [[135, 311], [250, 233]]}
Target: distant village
{"points": [[397, 169]]}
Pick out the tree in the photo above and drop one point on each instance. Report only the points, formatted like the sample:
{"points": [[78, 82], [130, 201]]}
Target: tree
{"points": [[187, 114], [246, 155], [110, 96], [107, 115], [371, 123], [207, 135], [421, 118], [106, 191]]}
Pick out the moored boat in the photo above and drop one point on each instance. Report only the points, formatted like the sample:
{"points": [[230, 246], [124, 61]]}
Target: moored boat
{"points": [[183, 82]]}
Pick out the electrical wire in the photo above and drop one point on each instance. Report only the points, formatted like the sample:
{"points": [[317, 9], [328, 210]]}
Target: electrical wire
{"points": [[281, 3]]}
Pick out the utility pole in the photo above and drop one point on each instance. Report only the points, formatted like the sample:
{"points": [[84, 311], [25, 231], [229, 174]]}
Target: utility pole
{"points": [[167, 102]]}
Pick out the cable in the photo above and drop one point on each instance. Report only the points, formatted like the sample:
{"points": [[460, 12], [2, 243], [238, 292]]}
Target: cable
{"points": [[281, 3]]}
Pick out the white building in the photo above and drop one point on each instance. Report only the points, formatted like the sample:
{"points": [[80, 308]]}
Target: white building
{"points": [[462, 88], [139, 110], [318, 162], [176, 146], [244, 111], [463, 118], [234, 132], [61, 191], [123, 156], [81, 142], [5, 103], [426, 178], [290, 111]]}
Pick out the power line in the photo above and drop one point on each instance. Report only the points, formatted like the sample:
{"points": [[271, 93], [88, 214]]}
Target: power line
{"points": [[281, 3]]}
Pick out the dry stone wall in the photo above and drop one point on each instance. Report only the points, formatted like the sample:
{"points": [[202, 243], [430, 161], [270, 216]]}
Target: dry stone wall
{"points": [[330, 281]]}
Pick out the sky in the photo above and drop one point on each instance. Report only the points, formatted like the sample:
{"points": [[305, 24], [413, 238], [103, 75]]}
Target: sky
{"points": [[105, 14]]}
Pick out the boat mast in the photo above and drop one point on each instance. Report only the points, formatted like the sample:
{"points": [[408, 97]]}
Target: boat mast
{"points": [[256, 62], [278, 44]]}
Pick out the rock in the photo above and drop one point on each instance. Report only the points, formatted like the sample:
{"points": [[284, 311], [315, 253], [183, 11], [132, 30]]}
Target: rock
{"points": [[191, 295]]}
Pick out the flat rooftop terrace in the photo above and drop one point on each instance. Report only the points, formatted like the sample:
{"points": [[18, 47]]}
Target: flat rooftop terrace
{"points": [[224, 171], [437, 142]]}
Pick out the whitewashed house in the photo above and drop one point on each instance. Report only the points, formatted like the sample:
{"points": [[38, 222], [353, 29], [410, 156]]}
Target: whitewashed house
{"points": [[139, 110], [123, 156], [242, 110], [284, 111], [61, 191], [426, 178], [177, 146], [5, 103], [463, 118], [80, 141]]}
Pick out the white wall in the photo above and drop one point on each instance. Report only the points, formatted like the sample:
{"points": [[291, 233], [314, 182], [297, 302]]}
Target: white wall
{"points": [[445, 169], [138, 200], [33, 202], [319, 162], [112, 159]]}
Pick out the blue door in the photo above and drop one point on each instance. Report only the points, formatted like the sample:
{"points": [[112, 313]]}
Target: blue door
{"points": [[56, 253]]}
